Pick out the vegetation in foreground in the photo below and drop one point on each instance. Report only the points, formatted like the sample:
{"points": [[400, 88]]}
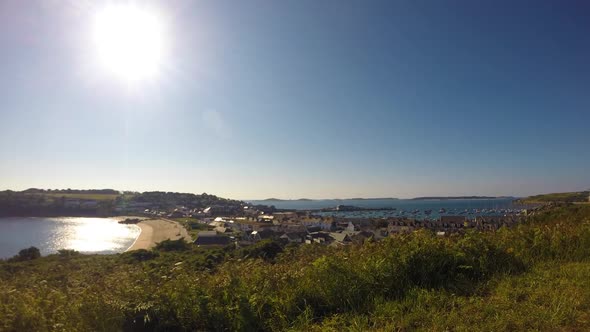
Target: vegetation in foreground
{"points": [[535, 276]]}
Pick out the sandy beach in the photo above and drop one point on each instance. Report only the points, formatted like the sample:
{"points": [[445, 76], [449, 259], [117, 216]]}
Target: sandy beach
{"points": [[158, 230]]}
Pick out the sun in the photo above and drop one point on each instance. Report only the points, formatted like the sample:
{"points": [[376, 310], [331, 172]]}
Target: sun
{"points": [[129, 41]]}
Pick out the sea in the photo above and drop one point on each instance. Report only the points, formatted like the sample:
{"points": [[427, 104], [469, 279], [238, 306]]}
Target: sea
{"points": [[86, 235], [415, 208]]}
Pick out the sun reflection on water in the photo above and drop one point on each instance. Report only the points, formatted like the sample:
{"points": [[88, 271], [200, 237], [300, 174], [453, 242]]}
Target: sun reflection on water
{"points": [[97, 235]]}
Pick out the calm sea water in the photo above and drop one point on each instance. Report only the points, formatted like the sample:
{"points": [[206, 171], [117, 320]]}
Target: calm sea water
{"points": [[87, 235], [406, 207]]}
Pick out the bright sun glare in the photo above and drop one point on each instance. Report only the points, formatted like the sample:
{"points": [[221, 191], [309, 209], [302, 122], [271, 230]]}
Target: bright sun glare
{"points": [[129, 41]]}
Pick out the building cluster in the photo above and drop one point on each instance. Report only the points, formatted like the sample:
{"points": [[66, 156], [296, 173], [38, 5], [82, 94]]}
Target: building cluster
{"points": [[452, 224], [245, 224], [179, 211], [302, 227]]}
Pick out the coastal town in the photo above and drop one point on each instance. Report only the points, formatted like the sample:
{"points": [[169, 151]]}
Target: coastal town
{"points": [[304, 227], [246, 224], [209, 221]]}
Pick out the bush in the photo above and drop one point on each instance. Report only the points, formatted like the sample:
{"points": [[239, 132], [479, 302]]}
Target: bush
{"points": [[141, 255], [172, 245], [67, 253], [27, 255], [266, 249]]}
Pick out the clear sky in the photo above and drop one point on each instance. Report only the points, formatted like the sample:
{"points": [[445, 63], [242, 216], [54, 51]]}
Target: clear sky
{"points": [[290, 99]]}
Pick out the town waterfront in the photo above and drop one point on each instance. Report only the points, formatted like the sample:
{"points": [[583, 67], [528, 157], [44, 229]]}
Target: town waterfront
{"points": [[87, 235], [418, 208]]}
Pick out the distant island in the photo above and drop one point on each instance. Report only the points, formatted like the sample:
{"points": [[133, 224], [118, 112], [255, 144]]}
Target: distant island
{"points": [[283, 200], [370, 199], [379, 198], [323, 199], [457, 197]]}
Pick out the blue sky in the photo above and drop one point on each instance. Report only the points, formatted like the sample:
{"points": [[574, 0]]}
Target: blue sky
{"points": [[291, 99]]}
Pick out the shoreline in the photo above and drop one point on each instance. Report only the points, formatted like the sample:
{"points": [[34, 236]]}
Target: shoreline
{"points": [[151, 232], [157, 230]]}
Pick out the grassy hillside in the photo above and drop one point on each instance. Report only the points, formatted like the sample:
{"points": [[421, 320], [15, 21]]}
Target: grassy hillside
{"points": [[535, 276], [63, 202], [581, 196], [96, 197]]}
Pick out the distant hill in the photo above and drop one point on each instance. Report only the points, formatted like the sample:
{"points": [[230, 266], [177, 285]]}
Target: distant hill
{"points": [[371, 199], [458, 197], [327, 199], [568, 197], [72, 191], [75, 202], [285, 200]]}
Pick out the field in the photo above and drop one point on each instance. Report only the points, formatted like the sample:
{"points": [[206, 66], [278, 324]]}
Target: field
{"points": [[535, 276], [570, 197], [96, 197]]}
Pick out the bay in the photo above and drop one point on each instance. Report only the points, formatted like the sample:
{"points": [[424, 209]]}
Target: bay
{"points": [[417, 208], [86, 235]]}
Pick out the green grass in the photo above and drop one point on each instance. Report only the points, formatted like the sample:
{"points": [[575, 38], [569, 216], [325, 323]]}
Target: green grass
{"points": [[535, 276], [96, 197], [192, 225], [569, 197], [550, 297]]}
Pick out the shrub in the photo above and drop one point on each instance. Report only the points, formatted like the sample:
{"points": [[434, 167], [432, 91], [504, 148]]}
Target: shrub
{"points": [[266, 249], [141, 255], [67, 253], [27, 255], [172, 245]]}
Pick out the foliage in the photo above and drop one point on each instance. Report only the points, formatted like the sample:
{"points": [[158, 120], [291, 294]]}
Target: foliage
{"points": [[58, 202], [266, 249], [570, 197], [192, 225], [26, 255], [39, 202], [72, 191], [141, 255], [172, 245], [67, 252], [96, 197], [171, 199], [535, 276]]}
